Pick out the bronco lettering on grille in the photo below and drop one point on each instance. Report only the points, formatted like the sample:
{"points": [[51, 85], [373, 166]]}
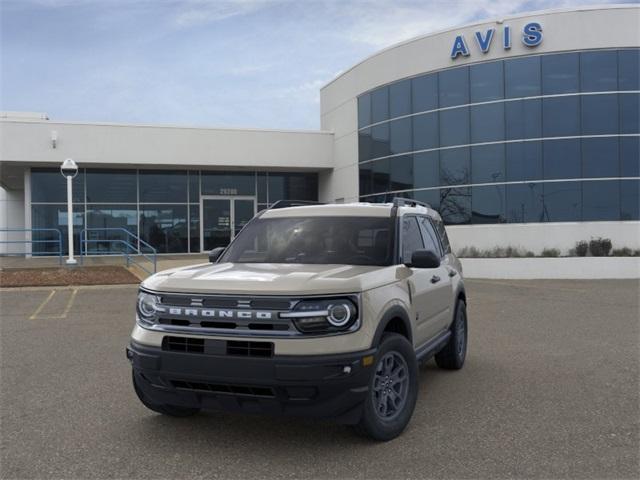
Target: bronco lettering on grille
{"points": [[217, 313]]}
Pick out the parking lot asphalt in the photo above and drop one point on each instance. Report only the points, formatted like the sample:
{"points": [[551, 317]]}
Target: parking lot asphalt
{"points": [[549, 390]]}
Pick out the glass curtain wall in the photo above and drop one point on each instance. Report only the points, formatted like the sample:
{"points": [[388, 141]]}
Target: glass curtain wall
{"points": [[162, 207], [541, 138]]}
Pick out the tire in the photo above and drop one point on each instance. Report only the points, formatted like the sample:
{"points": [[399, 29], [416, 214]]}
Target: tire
{"points": [[169, 410], [386, 415], [452, 356]]}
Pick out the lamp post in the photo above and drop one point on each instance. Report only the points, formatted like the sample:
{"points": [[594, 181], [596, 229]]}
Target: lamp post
{"points": [[69, 170]]}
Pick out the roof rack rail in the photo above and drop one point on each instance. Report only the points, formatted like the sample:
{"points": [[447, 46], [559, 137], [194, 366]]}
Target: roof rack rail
{"points": [[293, 203], [407, 202]]}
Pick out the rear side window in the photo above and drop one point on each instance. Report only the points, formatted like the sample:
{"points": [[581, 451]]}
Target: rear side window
{"points": [[411, 238], [443, 235], [430, 237]]}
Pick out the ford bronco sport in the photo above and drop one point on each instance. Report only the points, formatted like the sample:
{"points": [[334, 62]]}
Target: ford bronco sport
{"points": [[320, 310]]}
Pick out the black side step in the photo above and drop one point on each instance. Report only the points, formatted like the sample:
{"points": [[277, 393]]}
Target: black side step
{"points": [[429, 349]]}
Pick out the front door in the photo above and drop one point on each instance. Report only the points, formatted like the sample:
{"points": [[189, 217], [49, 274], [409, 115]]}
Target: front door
{"points": [[222, 218]]}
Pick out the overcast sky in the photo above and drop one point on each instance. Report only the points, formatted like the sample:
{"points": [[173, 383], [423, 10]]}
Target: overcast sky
{"points": [[236, 63]]}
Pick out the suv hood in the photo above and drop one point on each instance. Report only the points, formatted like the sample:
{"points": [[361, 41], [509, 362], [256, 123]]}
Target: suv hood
{"points": [[271, 279]]}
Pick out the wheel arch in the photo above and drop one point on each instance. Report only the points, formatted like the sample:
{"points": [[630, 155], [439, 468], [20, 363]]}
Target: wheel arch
{"points": [[396, 320]]}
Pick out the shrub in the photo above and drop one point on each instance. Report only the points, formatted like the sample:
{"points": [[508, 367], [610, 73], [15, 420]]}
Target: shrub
{"points": [[550, 252], [581, 249], [600, 247], [625, 252]]}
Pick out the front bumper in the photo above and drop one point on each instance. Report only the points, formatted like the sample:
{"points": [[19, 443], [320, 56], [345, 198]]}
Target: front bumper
{"points": [[324, 386]]}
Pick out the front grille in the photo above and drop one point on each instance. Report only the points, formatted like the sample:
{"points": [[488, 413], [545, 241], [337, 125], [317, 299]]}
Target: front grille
{"points": [[226, 302], [248, 390], [217, 347], [250, 349], [183, 344]]}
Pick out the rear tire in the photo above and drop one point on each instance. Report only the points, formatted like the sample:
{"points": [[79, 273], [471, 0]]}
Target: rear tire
{"points": [[452, 356], [170, 410], [393, 390]]}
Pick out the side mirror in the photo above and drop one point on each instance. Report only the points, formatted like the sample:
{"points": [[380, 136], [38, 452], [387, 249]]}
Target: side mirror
{"points": [[424, 259], [214, 254]]}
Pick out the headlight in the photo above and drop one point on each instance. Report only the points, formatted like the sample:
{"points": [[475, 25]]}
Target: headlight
{"points": [[324, 316], [147, 307]]}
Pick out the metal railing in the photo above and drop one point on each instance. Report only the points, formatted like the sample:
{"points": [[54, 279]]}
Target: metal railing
{"points": [[57, 241], [131, 243]]}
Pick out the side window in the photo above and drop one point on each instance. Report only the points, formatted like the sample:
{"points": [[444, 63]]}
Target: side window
{"points": [[429, 236], [443, 236], [411, 238]]}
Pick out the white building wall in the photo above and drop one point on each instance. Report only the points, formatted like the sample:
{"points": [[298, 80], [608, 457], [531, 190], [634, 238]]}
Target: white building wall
{"points": [[538, 236], [11, 217]]}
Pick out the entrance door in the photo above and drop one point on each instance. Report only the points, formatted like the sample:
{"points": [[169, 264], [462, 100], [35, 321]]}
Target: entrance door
{"points": [[221, 218]]}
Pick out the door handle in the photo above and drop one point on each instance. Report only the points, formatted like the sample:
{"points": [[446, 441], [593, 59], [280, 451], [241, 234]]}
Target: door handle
{"points": [[435, 279], [452, 272]]}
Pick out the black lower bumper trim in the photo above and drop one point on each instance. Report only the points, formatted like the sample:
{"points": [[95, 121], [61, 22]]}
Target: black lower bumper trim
{"points": [[325, 386]]}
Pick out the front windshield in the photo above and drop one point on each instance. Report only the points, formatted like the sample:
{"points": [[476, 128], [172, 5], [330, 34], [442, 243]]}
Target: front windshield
{"points": [[318, 240]]}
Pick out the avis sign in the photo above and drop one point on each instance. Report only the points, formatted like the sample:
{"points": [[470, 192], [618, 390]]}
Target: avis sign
{"points": [[531, 37]]}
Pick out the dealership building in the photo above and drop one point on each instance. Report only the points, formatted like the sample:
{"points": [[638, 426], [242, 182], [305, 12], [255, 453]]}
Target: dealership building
{"points": [[522, 131]]}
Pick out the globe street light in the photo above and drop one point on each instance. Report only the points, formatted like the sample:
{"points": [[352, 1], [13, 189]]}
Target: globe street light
{"points": [[69, 170]]}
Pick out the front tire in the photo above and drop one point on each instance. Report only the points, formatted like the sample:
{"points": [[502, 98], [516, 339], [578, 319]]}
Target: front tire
{"points": [[452, 356], [393, 390], [169, 410]]}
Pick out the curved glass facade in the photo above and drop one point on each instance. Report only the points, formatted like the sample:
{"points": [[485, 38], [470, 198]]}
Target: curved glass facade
{"points": [[541, 138]]}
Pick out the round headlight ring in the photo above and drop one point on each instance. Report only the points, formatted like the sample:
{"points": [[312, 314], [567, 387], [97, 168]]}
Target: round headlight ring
{"points": [[147, 305], [339, 314]]}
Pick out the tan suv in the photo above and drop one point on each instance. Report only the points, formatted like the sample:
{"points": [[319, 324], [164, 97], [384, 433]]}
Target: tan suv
{"points": [[321, 310]]}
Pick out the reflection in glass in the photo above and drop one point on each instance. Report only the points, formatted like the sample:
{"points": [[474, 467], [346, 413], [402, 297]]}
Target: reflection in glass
{"points": [[629, 69], [52, 216], [293, 186], [560, 73], [454, 87], [401, 172], [165, 227], [487, 81], [522, 77], [194, 228], [561, 116], [630, 157], [524, 161], [601, 200], [524, 203], [523, 119], [454, 127], [430, 197], [364, 110], [561, 159], [380, 173], [425, 131], [400, 98], [487, 123], [365, 145], [112, 186], [455, 205], [562, 201], [365, 178], [424, 93], [599, 71], [380, 141], [629, 113], [194, 186], [455, 166], [166, 186], [600, 157], [380, 105], [228, 183], [48, 185], [116, 218], [630, 200], [487, 164], [400, 135], [599, 114], [488, 204], [426, 169]]}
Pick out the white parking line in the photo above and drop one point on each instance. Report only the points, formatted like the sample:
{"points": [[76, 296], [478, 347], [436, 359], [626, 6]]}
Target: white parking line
{"points": [[65, 312]]}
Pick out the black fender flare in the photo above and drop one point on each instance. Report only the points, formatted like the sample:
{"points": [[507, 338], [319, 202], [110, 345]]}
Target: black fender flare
{"points": [[396, 311]]}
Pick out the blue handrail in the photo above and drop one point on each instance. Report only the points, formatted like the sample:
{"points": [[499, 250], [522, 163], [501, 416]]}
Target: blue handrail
{"points": [[31, 241], [129, 248]]}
